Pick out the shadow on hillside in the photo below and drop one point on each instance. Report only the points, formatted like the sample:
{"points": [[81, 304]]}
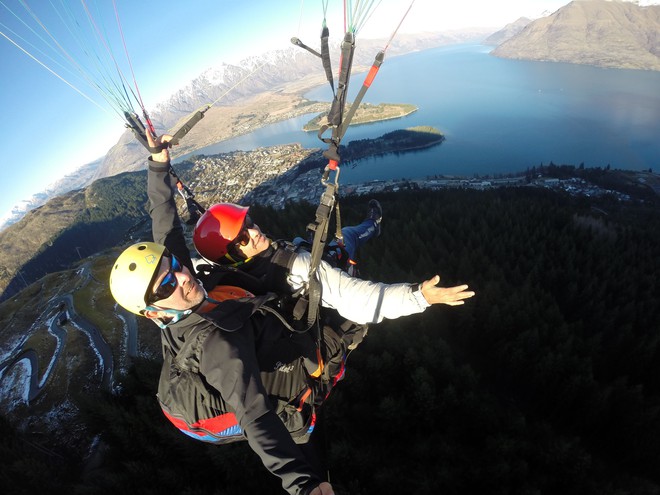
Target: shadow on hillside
{"points": [[75, 244]]}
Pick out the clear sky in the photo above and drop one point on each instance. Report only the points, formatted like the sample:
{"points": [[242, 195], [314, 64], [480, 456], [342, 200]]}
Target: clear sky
{"points": [[50, 130]]}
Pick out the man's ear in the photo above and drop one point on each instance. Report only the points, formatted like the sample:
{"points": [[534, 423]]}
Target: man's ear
{"points": [[152, 315]]}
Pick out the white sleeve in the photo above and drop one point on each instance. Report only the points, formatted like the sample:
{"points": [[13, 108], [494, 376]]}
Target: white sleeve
{"points": [[358, 300]]}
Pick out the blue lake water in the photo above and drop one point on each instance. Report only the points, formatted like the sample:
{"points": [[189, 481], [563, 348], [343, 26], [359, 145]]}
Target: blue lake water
{"points": [[498, 116]]}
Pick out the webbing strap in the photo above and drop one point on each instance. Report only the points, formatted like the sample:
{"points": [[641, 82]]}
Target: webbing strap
{"points": [[297, 42], [345, 65], [134, 123], [320, 229], [195, 210], [190, 123], [325, 57], [378, 61]]}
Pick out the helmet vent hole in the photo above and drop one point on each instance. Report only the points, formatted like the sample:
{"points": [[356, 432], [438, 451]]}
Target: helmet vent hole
{"points": [[142, 248], [132, 267]]}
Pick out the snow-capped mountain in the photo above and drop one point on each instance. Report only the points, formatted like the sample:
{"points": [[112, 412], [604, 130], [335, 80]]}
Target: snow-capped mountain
{"points": [[75, 180]]}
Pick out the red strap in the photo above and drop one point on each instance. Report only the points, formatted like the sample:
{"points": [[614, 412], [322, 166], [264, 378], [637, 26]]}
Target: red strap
{"points": [[370, 77]]}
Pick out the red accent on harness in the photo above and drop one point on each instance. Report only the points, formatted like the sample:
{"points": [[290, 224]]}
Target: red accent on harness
{"points": [[304, 398], [370, 77], [218, 424]]}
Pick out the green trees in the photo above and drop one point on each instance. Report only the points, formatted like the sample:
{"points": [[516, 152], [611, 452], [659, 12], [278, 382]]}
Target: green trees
{"points": [[547, 381], [559, 344]]}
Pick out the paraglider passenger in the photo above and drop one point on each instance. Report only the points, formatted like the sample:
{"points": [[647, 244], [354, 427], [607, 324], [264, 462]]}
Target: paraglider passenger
{"points": [[232, 367]]}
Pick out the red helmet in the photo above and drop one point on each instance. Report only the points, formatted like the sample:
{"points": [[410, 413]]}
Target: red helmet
{"points": [[217, 228]]}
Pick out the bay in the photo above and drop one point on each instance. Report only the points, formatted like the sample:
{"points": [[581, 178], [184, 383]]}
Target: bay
{"points": [[498, 116]]}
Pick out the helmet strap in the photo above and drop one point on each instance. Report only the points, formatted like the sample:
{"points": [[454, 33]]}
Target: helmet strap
{"points": [[234, 262], [171, 315]]}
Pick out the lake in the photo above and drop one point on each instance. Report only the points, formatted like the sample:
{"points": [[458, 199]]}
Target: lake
{"points": [[498, 116]]}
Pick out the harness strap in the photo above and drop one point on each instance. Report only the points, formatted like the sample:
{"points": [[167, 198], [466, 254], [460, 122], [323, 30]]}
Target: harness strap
{"points": [[345, 64], [325, 57], [378, 61], [195, 210], [297, 42], [320, 230]]}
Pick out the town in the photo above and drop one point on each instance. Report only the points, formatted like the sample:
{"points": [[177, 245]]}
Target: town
{"points": [[280, 174]]}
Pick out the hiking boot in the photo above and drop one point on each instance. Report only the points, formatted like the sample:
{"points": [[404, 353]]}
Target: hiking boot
{"points": [[375, 213]]}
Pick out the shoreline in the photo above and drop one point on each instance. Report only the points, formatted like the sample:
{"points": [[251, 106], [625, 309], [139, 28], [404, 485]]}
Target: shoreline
{"points": [[399, 150]]}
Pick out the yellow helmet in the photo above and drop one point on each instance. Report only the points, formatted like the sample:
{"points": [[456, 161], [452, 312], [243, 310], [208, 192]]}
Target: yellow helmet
{"points": [[132, 275]]}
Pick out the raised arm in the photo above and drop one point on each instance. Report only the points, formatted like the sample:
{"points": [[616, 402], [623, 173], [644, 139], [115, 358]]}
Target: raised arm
{"points": [[363, 301], [166, 225]]}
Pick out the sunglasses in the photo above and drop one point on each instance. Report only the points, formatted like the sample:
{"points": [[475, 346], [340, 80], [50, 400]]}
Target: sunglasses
{"points": [[167, 286], [243, 237]]}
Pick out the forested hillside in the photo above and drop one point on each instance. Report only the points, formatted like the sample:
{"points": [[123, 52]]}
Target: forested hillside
{"points": [[547, 381], [72, 227]]}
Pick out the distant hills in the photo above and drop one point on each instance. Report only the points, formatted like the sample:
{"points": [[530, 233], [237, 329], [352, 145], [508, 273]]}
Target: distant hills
{"points": [[604, 33], [70, 182], [69, 227], [113, 211], [271, 94], [272, 90], [507, 32]]}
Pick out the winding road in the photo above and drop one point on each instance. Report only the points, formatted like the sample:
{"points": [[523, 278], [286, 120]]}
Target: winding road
{"points": [[65, 318]]}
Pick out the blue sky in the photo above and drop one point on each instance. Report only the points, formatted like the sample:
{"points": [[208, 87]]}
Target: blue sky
{"points": [[50, 130]]}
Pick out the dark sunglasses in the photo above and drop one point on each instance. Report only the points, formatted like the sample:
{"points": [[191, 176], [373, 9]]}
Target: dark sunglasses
{"points": [[243, 237], [167, 286]]}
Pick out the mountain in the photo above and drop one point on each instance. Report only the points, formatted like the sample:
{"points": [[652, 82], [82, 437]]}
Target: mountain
{"points": [[603, 33], [70, 226], [258, 91], [507, 32], [75, 180]]}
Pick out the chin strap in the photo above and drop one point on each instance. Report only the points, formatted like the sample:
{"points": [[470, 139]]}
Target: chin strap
{"points": [[171, 315]]}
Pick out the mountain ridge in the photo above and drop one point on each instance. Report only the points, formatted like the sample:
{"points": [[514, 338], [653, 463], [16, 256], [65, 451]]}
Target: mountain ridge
{"points": [[276, 78], [507, 32], [265, 91], [603, 33]]}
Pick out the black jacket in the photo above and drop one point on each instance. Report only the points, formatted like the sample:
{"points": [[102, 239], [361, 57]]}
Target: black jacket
{"points": [[242, 359]]}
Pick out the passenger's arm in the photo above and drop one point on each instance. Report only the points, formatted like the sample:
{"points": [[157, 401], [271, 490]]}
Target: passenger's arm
{"points": [[363, 301]]}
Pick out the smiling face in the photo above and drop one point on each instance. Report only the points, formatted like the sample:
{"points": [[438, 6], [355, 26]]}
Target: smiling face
{"points": [[257, 242], [187, 292]]}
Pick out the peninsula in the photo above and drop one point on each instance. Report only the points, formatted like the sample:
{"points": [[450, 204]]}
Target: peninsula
{"points": [[366, 114], [393, 142]]}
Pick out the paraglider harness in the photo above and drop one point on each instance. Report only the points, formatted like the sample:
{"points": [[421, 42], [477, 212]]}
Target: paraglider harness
{"points": [[337, 122], [308, 300]]}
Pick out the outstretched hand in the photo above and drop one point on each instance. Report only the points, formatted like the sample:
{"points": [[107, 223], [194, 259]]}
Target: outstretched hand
{"points": [[451, 296], [164, 154], [324, 488]]}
